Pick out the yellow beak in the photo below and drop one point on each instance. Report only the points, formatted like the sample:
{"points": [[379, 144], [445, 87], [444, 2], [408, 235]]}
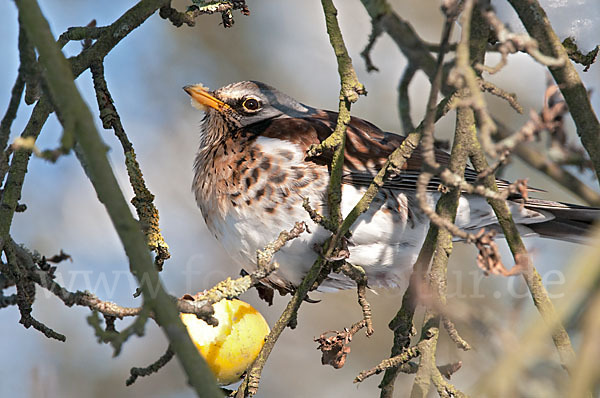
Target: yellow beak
{"points": [[201, 97]]}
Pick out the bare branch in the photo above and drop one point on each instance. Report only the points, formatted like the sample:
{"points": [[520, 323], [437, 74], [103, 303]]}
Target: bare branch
{"points": [[522, 259], [143, 201], [541, 162], [358, 275], [366, 53], [453, 333], [150, 369], [351, 88], [403, 98], [512, 42], [537, 24], [393, 362], [201, 7], [73, 110], [577, 56], [511, 98]]}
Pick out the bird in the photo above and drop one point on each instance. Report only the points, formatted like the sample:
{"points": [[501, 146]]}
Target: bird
{"points": [[252, 174]]}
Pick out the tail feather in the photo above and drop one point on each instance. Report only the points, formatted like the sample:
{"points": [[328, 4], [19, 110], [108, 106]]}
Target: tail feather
{"points": [[571, 222]]}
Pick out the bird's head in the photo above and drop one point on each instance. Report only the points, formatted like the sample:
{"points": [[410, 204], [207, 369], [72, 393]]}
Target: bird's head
{"points": [[245, 103]]}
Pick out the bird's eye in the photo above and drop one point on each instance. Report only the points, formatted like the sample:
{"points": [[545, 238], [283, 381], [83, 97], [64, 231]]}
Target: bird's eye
{"points": [[251, 104]]}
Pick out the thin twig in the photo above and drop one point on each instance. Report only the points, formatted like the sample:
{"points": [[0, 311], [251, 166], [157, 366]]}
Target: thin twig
{"points": [[143, 199], [487, 126], [541, 162], [577, 56], [317, 218], [512, 42], [150, 369], [228, 288], [81, 33], [73, 110], [584, 276], [116, 339], [188, 17], [572, 88], [511, 98], [403, 34], [393, 362], [358, 275], [523, 260], [404, 100], [250, 383], [453, 333], [25, 295], [402, 324], [11, 111], [376, 31], [430, 331], [351, 88]]}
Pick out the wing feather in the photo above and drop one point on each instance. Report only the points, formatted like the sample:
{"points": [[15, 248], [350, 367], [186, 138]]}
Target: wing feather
{"points": [[367, 149]]}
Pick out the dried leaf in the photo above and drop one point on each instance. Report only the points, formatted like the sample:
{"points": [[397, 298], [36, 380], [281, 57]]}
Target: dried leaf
{"points": [[335, 348]]}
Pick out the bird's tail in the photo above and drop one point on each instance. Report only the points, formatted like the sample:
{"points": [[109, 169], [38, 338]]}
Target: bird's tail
{"points": [[570, 223]]}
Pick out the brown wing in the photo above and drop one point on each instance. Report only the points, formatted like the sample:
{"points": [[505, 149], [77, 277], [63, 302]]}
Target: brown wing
{"points": [[367, 148]]}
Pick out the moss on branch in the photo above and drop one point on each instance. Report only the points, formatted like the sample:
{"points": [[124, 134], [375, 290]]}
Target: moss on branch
{"points": [[68, 102], [143, 201]]}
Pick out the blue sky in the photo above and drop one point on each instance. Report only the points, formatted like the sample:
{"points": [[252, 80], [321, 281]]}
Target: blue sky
{"points": [[282, 43]]}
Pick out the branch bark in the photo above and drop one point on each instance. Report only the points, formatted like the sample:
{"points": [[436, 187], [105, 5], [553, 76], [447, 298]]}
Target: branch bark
{"points": [[69, 104], [351, 88], [402, 33], [537, 24], [540, 161]]}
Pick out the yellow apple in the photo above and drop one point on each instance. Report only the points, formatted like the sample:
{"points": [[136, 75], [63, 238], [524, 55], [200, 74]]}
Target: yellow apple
{"points": [[234, 344]]}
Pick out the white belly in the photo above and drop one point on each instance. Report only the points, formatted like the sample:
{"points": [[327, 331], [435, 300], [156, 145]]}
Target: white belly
{"points": [[385, 240]]}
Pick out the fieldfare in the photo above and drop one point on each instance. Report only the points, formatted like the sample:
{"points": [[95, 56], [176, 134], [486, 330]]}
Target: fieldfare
{"points": [[252, 174]]}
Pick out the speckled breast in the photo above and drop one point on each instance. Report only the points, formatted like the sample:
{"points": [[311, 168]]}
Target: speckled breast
{"points": [[250, 191]]}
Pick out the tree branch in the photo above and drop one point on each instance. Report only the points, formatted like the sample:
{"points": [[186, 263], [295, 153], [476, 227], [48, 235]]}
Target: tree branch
{"points": [[523, 260], [584, 276], [540, 161], [537, 24], [68, 102], [143, 201], [349, 92], [402, 33]]}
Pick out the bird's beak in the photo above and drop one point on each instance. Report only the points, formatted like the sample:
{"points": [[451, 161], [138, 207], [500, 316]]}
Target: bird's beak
{"points": [[201, 98]]}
